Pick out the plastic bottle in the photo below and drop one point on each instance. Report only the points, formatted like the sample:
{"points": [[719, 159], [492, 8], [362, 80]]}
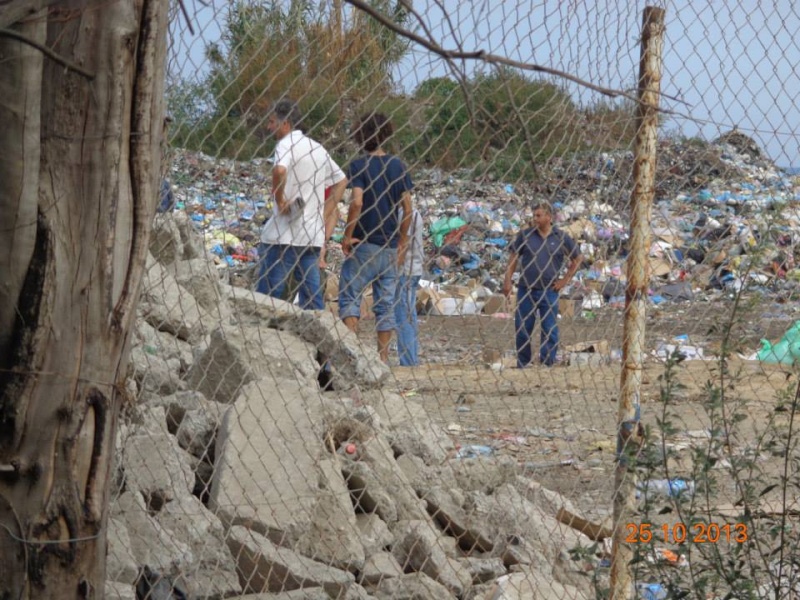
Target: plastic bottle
{"points": [[474, 451], [670, 488]]}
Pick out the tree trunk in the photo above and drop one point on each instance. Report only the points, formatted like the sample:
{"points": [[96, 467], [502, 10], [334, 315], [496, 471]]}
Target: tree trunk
{"points": [[79, 143]]}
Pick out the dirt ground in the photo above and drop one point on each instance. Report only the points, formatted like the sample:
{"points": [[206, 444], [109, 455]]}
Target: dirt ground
{"points": [[559, 423]]}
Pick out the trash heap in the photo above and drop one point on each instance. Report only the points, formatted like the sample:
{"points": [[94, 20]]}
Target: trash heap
{"points": [[725, 218]]}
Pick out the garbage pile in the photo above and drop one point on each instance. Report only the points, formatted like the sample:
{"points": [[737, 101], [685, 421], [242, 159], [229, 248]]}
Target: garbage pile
{"points": [[725, 218]]}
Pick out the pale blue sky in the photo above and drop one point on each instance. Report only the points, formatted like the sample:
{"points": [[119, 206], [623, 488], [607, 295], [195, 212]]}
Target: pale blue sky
{"points": [[730, 63]]}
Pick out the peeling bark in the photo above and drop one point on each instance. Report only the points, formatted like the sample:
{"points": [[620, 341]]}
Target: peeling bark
{"points": [[79, 183]]}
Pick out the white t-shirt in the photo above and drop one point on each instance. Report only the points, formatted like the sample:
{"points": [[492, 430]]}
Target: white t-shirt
{"points": [[309, 170]]}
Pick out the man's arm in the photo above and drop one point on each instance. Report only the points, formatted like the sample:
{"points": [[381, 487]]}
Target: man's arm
{"points": [[508, 282], [331, 216], [331, 211], [574, 265], [356, 202], [405, 225], [278, 188]]}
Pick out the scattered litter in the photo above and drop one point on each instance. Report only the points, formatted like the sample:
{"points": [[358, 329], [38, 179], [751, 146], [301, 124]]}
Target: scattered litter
{"points": [[474, 451], [650, 591], [671, 488]]}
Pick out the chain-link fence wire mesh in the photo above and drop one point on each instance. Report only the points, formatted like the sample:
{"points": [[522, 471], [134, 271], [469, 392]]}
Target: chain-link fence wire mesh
{"points": [[270, 449]]}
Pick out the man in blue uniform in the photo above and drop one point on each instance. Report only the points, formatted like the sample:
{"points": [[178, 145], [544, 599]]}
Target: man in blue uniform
{"points": [[541, 251]]}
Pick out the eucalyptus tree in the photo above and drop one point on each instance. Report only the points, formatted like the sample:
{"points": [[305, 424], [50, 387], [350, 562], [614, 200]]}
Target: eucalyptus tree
{"points": [[81, 102]]}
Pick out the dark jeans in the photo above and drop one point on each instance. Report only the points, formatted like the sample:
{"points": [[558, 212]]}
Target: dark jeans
{"points": [[531, 302]]}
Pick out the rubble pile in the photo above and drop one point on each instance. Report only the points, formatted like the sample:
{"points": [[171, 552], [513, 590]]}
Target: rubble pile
{"points": [[237, 474]]}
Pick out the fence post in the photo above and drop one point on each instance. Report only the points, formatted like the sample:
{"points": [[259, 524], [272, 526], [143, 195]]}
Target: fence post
{"points": [[629, 435]]}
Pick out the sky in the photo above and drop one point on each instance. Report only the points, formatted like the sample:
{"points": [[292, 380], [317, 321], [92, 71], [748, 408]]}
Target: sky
{"points": [[725, 63]]}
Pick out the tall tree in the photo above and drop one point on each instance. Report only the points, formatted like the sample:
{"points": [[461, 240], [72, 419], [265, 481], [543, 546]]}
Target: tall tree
{"points": [[81, 102]]}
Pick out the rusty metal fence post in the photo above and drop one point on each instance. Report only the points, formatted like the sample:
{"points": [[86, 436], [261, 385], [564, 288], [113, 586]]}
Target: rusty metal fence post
{"points": [[629, 435]]}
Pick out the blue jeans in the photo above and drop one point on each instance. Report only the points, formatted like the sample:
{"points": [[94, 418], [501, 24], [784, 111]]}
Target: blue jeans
{"points": [[369, 264], [529, 303], [275, 264], [405, 316]]}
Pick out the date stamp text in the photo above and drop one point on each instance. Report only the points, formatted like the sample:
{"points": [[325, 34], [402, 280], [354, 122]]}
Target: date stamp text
{"points": [[680, 533]]}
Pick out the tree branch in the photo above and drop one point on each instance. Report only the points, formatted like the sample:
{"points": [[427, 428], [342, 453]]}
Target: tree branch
{"points": [[10, 33], [450, 55]]}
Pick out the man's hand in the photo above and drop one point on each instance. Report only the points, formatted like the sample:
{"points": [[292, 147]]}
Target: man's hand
{"points": [[284, 207], [560, 284], [402, 251], [322, 263], [348, 244], [507, 288]]}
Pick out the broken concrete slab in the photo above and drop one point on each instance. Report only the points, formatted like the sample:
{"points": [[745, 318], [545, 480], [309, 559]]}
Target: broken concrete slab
{"points": [[213, 570], [177, 405], [191, 238], [377, 484], [119, 591], [418, 547], [530, 584], [316, 593], [149, 542], [120, 563], [271, 472], [265, 567], [483, 570], [166, 244], [445, 507], [373, 533], [153, 373], [236, 356], [201, 278], [409, 428], [162, 343], [271, 312], [412, 586], [152, 462], [352, 362], [368, 492], [197, 433], [483, 475], [332, 537], [379, 566], [167, 306]]}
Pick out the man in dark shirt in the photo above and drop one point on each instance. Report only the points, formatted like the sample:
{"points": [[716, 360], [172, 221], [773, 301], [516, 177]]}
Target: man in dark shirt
{"points": [[541, 251], [375, 238]]}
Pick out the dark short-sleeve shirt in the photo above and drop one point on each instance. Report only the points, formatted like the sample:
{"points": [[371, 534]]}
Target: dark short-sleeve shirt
{"points": [[541, 259], [383, 180]]}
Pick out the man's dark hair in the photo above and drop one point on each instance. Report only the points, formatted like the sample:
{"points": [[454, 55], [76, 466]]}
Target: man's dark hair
{"points": [[543, 206], [372, 131], [287, 110]]}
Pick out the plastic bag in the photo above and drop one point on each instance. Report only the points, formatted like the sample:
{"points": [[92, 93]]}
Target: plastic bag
{"points": [[786, 351]]}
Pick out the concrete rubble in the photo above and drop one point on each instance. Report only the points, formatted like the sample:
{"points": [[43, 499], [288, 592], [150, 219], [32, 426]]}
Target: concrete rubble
{"points": [[238, 476]]}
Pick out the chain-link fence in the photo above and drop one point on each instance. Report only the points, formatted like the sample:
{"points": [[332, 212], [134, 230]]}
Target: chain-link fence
{"points": [[271, 451]]}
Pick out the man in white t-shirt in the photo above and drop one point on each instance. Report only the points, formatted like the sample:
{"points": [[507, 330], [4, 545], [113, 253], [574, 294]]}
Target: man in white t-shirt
{"points": [[293, 240]]}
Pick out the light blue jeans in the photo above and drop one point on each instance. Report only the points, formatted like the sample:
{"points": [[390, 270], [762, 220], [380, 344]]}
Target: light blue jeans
{"points": [[369, 264], [405, 316], [277, 261]]}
